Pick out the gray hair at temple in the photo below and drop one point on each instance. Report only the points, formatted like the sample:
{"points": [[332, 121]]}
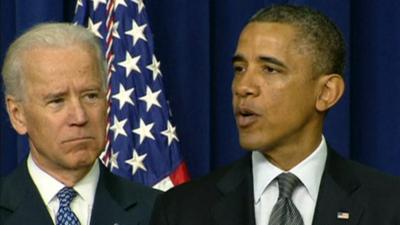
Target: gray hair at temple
{"points": [[317, 35], [58, 35]]}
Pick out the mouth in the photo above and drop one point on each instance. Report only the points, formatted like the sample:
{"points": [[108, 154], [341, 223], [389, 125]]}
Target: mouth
{"points": [[77, 139], [245, 117]]}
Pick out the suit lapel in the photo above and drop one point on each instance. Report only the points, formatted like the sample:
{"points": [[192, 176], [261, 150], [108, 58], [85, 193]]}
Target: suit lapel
{"points": [[337, 197], [110, 204], [20, 201], [235, 206]]}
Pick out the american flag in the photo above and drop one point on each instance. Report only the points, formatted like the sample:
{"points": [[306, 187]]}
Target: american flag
{"points": [[142, 142]]}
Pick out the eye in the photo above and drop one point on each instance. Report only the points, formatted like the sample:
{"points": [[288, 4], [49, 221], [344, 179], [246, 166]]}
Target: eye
{"points": [[270, 69], [91, 96], [238, 68], [56, 101]]}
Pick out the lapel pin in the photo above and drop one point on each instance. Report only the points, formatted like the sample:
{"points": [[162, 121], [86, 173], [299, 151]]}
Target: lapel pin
{"points": [[343, 215]]}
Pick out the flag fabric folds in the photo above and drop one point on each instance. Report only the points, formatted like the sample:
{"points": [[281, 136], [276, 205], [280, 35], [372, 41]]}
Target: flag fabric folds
{"points": [[142, 144]]}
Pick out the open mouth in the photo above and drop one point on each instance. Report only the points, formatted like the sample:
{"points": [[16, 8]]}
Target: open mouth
{"points": [[245, 117]]}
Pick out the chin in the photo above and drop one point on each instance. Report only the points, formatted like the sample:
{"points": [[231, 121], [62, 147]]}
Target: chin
{"points": [[84, 164], [85, 158], [248, 145], [250, 141]]}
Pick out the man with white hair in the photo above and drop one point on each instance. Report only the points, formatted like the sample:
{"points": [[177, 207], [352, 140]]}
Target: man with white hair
{"points": [[55, 92]]}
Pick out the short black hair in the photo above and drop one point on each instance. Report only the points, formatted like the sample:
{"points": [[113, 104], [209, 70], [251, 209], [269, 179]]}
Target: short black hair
{"points": [[316, 32]]}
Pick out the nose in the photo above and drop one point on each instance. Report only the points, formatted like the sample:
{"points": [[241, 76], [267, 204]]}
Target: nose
{"points": [[77, 113], [245, 85]]}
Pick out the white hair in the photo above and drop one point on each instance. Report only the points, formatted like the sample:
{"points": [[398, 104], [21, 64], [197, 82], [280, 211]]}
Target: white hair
{"points": [[57, 35]]}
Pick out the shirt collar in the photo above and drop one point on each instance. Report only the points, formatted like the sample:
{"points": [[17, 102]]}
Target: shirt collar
{"points": [[309, 171], [48, 186], [86, 187]]}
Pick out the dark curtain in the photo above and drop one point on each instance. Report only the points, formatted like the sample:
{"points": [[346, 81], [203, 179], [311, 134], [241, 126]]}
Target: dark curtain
{"points": [[195, 40]]}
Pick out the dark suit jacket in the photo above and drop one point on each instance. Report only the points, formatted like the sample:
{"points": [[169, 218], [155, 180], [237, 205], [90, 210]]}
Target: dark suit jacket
{"points": [[117, 201], [226, 197]]}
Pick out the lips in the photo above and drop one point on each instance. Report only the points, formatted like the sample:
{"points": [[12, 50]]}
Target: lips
{"points": [[245, 117], [77, 139]]}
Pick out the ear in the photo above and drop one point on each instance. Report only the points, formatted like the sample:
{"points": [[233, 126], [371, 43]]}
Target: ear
{"points": [[16, 114], [331, 90]]}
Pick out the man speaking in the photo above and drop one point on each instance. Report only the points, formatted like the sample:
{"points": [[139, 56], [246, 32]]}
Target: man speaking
{"points": [[288, 66]]}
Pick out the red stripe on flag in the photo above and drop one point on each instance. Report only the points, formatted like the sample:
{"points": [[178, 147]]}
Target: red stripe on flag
{"points": [[180, 175]]}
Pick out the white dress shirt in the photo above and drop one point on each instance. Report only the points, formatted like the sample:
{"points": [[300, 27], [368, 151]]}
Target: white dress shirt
{"points": [[48, 188], [266, 190]]}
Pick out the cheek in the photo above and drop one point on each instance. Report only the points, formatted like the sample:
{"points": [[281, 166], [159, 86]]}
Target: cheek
{"points": [[99, 118], [273, 98], [36, 120]]}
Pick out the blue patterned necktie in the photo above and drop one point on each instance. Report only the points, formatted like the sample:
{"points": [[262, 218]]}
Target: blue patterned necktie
{"points": [[65, 216], [284, 211]]}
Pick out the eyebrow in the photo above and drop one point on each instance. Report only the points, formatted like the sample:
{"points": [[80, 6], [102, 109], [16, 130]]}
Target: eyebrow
{"points": [[54, 95], [268, 59], [237, 58], [272, 60]]}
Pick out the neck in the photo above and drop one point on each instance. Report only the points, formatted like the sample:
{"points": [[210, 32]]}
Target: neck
{"points": [[295, 149], [288, 157], [68, 177]]}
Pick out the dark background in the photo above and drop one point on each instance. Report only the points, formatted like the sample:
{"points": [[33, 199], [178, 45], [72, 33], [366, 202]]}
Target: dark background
{"points": [[195, 40]]}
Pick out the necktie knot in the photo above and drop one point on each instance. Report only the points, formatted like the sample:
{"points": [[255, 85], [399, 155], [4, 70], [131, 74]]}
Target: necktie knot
{"points": [[65, 216], [65, 196], [287, 183]]}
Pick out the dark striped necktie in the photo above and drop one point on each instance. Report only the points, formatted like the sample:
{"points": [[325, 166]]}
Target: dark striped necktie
{"points": [[284, 211]]}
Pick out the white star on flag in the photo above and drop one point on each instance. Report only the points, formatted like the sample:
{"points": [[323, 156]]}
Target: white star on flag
{"points": [[124, 96], [137, 32], [154, 67], [94, 28], [115, 30], [130, 64], [135, 95], [114, 160], [150, 98], [140, 5], [136, 162], [144, 131], [97, 2], [119, 2], [118, 127], [78, 4], [170, 133]]}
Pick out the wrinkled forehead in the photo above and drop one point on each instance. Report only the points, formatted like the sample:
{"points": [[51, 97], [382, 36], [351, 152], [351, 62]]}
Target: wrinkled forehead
{"points": [[56, 57], [55, 65]]}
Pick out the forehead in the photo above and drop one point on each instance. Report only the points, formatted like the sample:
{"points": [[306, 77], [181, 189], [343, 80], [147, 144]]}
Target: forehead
{"points": [[277, 41], [49, 54], [268, 35], [59, 62], [272, 38]]}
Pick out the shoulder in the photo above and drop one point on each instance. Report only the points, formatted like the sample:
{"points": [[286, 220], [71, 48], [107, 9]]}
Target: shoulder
{"points": [[209, 188], [373, 177], [351, 171], [190, 203], [231, 172], [121, 188], [13, 184]]}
